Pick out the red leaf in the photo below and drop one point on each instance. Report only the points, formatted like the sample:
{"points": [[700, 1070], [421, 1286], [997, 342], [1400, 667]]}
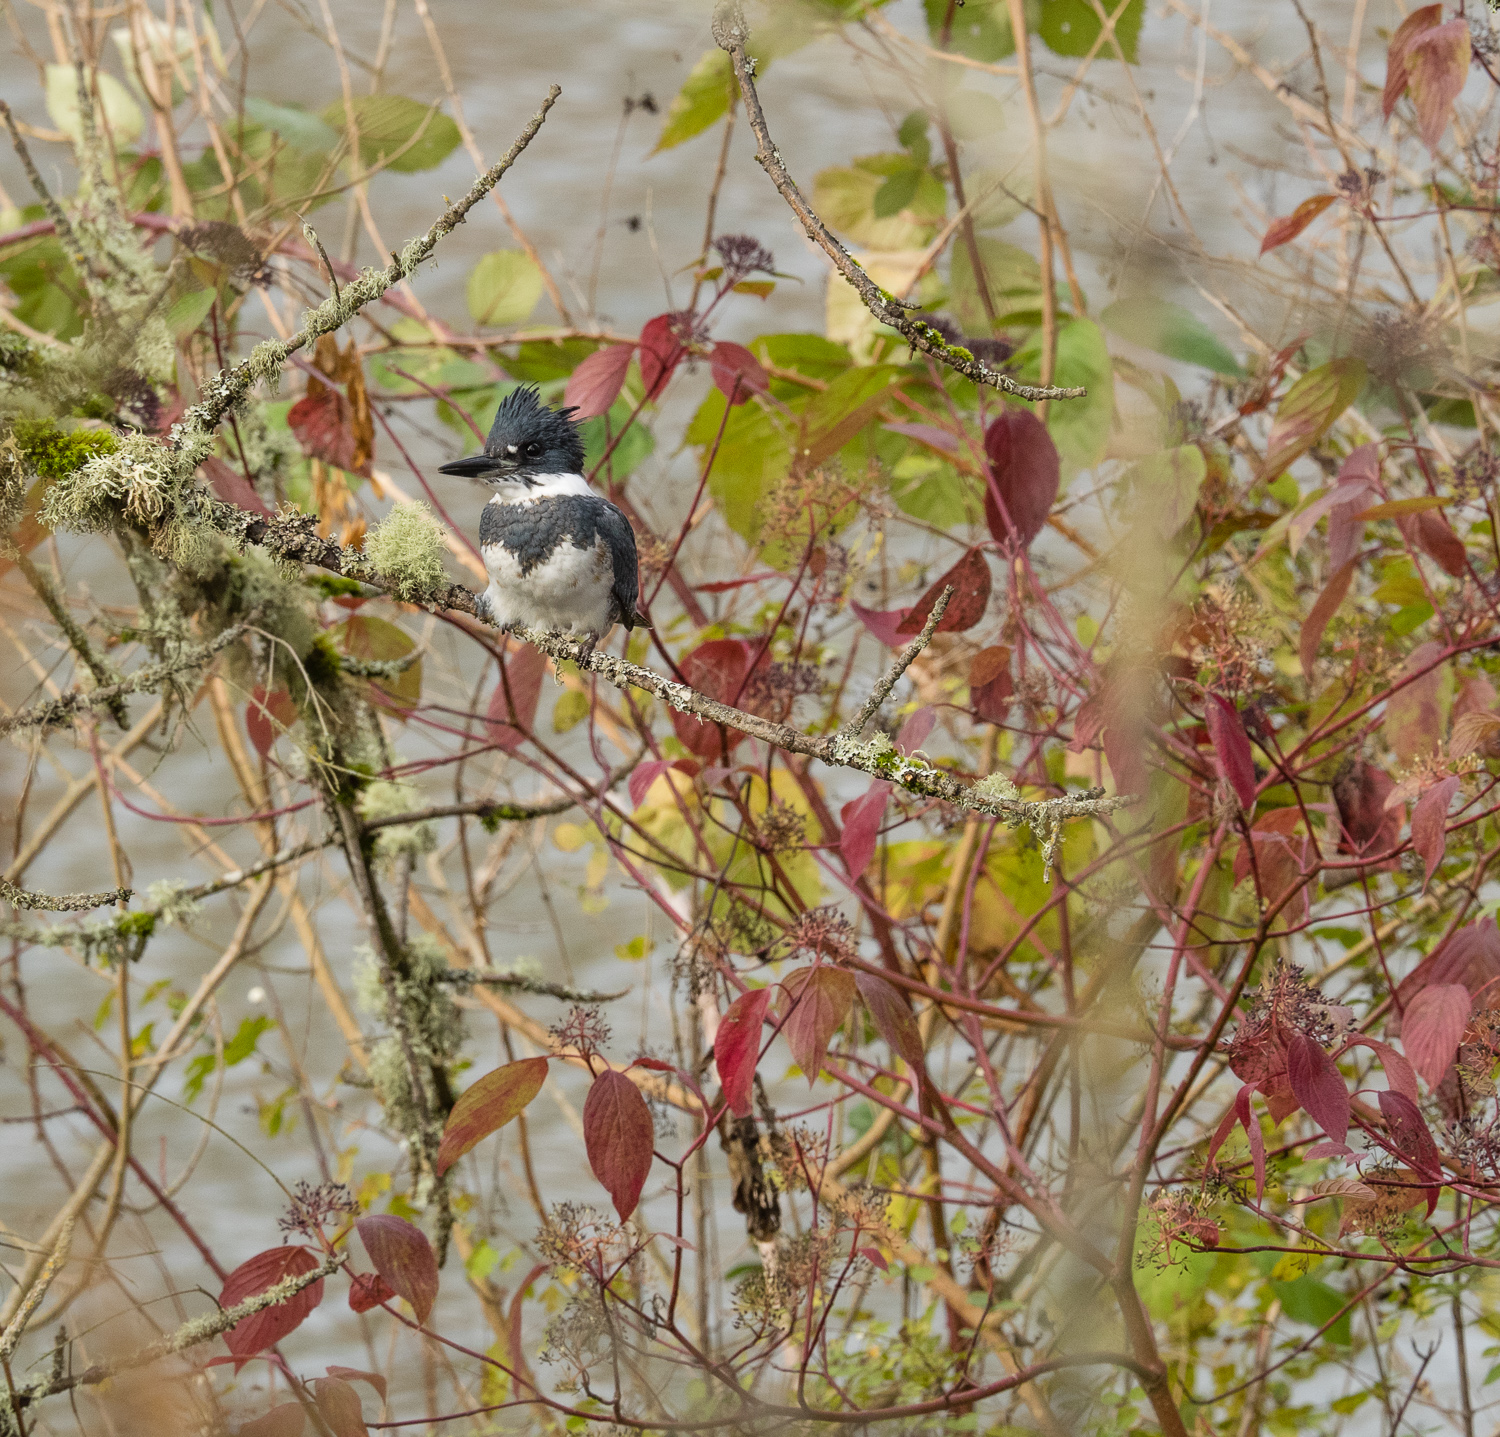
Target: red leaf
{"points": [[367, 1290], [914, 730], [862, 819], [595, 384], [1317, 1085], [990, 683], [1025, 472], [1398, 1072], [737, 1047], [872, 1256], [885, 624], [653, 1065], [1360, 794], [1251, 1123], [1316, 622], [719, 669], [943, 440], [266, 715], [1432, 1028], [285, 1420], [1434, 536], [488, 1105], [1288, 227], [733, 365], [661, 353], [814, 1002], [324, 426], [970, 578], [1413, 713], [266, 1328], [1359, 482], [403, 1257], [1396, 72], [1429, 822], [511, 713], [642, 776], [339, 1407], [1231, 744], [1437, 63], [619, 1135], [1409, 1134], [893, 1017], [353, 1374], [232, 487]]}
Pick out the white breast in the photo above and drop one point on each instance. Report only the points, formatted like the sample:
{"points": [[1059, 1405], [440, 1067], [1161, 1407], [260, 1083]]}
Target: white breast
{"points": [[568, 592]]}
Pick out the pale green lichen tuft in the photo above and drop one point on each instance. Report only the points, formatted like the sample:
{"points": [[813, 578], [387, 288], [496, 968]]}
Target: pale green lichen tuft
{"points": [[996, 786], [387, 799], [140, 479], [406, 550], [171, 901]]}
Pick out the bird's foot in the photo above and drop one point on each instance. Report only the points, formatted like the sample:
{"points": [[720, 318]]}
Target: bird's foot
{"points": [[483, 608], [587, 652]]}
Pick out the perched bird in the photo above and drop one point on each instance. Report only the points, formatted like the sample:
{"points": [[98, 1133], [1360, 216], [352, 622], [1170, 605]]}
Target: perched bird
{"points": [[560, 557]]}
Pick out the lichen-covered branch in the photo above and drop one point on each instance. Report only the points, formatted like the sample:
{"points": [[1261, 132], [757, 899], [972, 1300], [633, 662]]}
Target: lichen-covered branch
{"points": [[62, 902], [190, 1334], [732, 34], [69, 705], [222, 392]]}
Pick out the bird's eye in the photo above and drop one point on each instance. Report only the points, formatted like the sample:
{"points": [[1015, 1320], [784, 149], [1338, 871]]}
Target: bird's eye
{"points": [[530, 449]]}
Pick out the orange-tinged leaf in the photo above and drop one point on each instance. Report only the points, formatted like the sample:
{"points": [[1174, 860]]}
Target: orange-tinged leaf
{"points": [[1286, 228], [339, 1406], [1395, 508], [1308, 411], [403, 1257], [367, 1290], [1475, 733], [1396, 72], [286, 1419], [815, 1001], [619, 1135], [1437, 62], [1316, 622], [1429, 827], [486, 1106]]}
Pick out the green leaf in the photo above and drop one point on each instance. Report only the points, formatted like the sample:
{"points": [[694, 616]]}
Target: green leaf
{"points": [[1079, 427], [504, 288], [637, 443], [808, 354], [1309, 410], [1164, 486], [1311, 1301], [913, 137], [404, 134], [896, 193], [366, 637], [752, 459], [570, 710], [43, 281], [1012, 274], [1070, 27], [980, 29], [974, 115], [307, 133], [122, 116], [705, 97], [1171, 330], [186, 313], [933, 491], [845, 197]]}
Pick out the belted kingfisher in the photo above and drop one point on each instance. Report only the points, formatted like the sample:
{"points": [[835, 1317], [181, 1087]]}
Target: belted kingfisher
{"points": [[560, 557]]}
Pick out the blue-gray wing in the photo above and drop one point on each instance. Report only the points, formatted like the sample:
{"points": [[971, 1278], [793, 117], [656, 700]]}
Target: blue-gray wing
{"points": [[620, 537]]}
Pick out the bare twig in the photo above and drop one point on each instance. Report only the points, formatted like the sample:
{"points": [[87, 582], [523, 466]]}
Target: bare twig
{"points": [[888, 681], [60, 903], [732, 33]]}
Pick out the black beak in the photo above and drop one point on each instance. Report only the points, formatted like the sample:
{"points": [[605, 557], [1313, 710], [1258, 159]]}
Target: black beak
{"points": [[476, 466]]}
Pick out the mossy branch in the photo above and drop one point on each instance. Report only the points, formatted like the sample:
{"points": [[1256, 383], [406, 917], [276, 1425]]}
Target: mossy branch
{"points": [[62, 902]]}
